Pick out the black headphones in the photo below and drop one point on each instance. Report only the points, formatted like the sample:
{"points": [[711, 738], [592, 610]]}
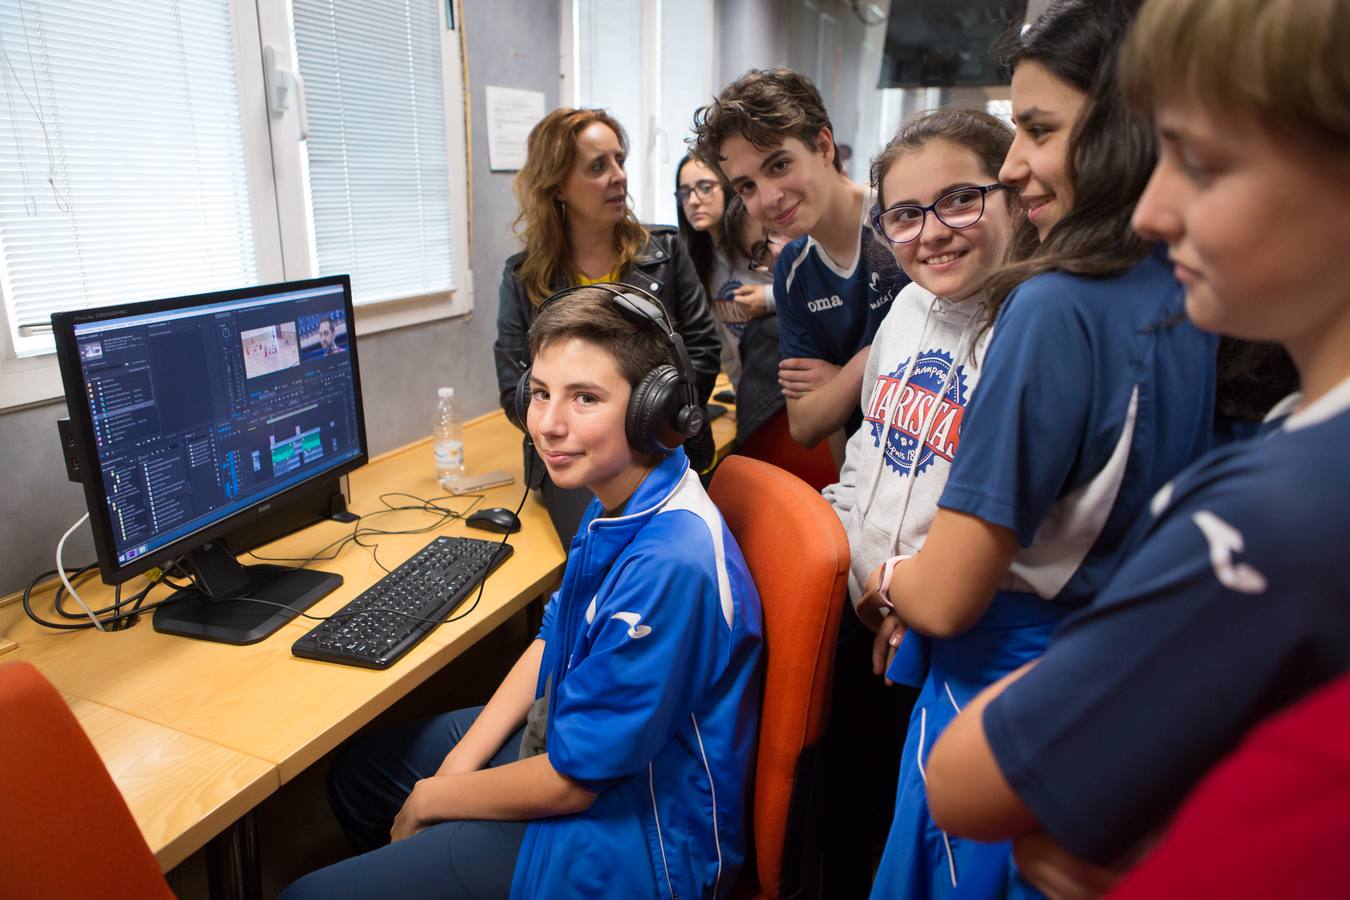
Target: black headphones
{"points": [[663, 411]]}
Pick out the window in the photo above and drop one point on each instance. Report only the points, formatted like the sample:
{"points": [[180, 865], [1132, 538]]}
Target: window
{"points": [[650, 63], [377, 142], [159, 147], [687, 82]]}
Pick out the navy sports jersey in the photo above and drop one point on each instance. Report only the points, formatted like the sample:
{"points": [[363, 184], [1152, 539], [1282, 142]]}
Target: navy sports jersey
{"points": [[826, 312], [1235, 604], [1095, 391]]}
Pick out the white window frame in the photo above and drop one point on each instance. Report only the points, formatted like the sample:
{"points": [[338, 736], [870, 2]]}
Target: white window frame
{"points": [[291, 166], [279, 193], [647, 138]]}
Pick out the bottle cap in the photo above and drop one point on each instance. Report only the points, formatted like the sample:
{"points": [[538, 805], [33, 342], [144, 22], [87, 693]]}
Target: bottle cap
{"points": [[445, 392]]}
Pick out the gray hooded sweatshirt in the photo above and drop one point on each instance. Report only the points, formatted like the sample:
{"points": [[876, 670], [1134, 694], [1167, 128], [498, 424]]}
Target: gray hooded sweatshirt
{"points": [[921, 373]]}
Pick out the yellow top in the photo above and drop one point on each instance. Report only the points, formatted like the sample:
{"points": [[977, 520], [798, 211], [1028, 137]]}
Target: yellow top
{"points": [[583, 281]]}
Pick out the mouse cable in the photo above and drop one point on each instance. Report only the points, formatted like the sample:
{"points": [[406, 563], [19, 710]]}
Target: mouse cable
{"points": [[398, 612], [524, 495]]}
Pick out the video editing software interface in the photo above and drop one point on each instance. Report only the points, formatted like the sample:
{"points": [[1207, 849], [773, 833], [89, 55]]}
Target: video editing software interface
{"points": [[204, 411]]}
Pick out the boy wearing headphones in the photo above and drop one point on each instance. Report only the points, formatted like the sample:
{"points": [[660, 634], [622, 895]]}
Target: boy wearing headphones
{"points": [[614, 758]]}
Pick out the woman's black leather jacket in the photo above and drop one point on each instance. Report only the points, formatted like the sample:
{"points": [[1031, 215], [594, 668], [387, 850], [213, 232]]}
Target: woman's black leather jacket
{"points": [[662, 268]]}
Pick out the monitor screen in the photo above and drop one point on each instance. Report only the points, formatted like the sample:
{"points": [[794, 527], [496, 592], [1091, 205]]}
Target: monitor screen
{"points": [[199, 409], [947, 43]]}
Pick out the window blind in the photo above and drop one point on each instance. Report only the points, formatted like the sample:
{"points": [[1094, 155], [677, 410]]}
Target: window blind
{"points": [[122, 172], [377, 148]]}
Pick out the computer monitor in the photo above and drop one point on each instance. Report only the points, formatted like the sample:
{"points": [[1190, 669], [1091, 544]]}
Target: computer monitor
{"points": [[196, 416]]}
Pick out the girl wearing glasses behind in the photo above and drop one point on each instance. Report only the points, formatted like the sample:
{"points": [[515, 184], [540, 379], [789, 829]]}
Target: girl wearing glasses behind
{"points": [[737, 292], [948, 222], [1093, 392]]}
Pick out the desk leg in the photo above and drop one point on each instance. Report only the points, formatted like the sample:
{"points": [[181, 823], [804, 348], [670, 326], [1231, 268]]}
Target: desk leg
{"points": [[232, 868]]}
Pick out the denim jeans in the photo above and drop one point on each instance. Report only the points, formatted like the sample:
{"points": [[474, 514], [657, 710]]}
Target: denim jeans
{"points": [[370, 779]]}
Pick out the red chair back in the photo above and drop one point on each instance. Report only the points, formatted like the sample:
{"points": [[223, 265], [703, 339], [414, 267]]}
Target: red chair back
{"points": [[65, 830], [797, 553], [772, 443]]}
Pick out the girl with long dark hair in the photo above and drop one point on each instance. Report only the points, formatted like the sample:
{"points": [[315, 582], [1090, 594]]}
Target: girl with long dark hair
{"points": [[1094, 391]]}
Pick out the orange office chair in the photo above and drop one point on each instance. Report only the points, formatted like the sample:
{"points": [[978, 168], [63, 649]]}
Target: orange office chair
{"points": [[772, 442], [798, 556], [65, 830]]}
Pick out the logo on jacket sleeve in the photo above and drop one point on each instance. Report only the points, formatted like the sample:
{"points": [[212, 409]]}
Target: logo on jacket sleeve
{"points": [[635, 630], [899, 411], [1224, 541]]}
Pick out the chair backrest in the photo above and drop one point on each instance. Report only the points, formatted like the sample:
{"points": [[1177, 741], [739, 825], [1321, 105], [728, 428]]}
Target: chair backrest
{"points": [[772, 443], [797, 553], [65, 830]]}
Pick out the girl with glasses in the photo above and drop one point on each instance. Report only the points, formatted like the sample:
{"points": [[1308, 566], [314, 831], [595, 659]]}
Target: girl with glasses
{"points": [[931, 182], [736, 293], [1093, 392]]}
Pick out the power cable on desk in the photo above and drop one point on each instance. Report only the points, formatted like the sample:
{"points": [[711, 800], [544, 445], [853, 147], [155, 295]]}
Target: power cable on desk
{"points": [[444, 514], [123, 611], [60, 571], [115, 617]]}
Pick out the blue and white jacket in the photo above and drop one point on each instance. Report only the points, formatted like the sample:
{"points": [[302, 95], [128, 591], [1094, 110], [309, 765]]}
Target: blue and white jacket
{"points": [[652, 662]]}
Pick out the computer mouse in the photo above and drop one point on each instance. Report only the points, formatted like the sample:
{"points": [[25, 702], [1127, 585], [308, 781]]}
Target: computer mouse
{"points": [[494, 518]]}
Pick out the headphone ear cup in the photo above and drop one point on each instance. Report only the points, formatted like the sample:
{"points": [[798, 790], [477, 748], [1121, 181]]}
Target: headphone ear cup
{"points": [[521, 402], [520, 408], [690, 420], [651, 424]]}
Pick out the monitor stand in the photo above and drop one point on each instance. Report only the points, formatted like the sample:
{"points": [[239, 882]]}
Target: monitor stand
{"points": [[220, 606]]}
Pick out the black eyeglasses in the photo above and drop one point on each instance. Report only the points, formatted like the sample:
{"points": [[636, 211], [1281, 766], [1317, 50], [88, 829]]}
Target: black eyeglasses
{"points": [[761, 252], [704, 186], [960, 208]]}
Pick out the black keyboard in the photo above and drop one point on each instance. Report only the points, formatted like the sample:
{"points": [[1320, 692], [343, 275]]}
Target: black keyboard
{"points": [[429, 586]]}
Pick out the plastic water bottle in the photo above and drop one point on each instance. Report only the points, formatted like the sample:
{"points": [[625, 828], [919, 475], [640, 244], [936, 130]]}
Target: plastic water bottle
{"points": [[448, 435]]}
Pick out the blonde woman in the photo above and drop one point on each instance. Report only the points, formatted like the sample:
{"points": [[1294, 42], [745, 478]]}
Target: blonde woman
{"points": [[577, 228]]}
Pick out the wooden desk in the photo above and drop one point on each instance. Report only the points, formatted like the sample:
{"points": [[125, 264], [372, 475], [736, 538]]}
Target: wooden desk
{"points": [[724, 427], [197, 733], [182, 790]]}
